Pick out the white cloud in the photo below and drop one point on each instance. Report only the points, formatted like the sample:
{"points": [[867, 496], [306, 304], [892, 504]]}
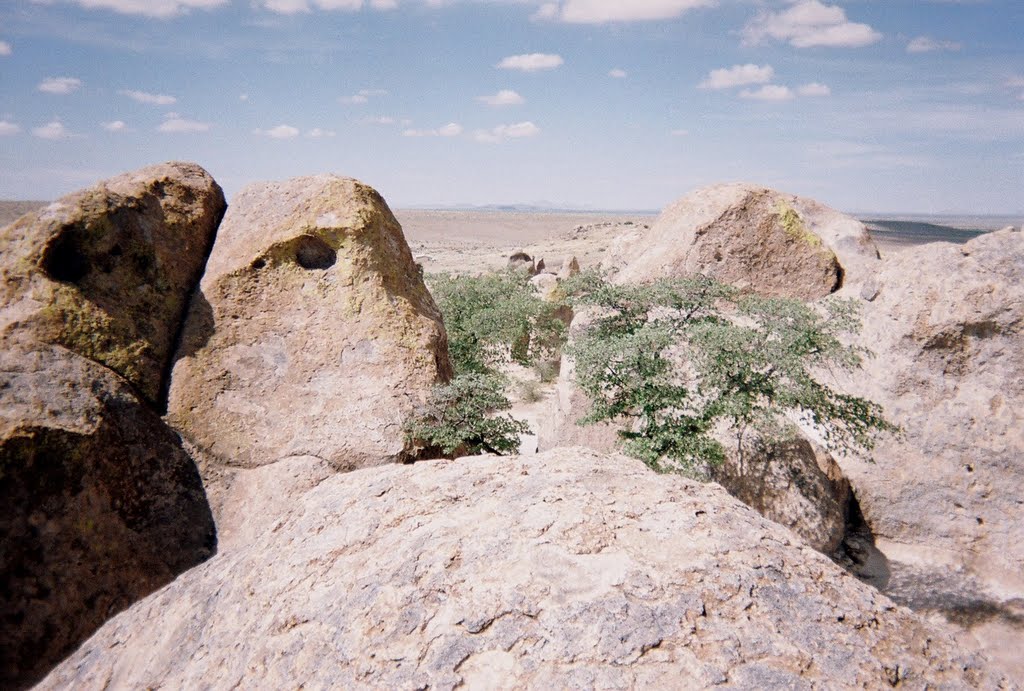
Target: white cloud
{"points": [[298, 6], [114, 126], [809, 23], [500, 133], [5, 48], [379, 120], [317, 133], [603, 11], [532, 62], [768, 92], [363, 96], [243, 97], [814, 89], [52, 130], [452, 129], [279, 132], [175, 124], [162, 9], [145, 97], [618, 73], [8, 128], [737, 75], [60, 85], [505, 97], [926, 44]]}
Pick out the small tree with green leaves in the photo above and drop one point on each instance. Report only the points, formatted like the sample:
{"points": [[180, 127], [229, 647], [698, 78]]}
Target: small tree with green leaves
{"points": [[675, 359], [491, 320]]}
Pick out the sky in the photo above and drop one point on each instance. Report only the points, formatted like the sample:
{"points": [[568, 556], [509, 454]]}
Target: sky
{"points": [[913, 106]]}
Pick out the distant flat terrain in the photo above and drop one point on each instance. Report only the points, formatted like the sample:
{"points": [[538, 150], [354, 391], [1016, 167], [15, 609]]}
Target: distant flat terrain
{"points": [[12, 211]]}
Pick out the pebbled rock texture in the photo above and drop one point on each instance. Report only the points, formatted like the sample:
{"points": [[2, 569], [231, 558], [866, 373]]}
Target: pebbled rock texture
{"points": [[563, 570], [107, 271]]}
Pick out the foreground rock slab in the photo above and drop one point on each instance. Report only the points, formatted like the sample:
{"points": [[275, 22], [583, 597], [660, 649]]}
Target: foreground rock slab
{"points": [[107, 272], [752, 237], [312, 334], [99, 505], [566, 569]]}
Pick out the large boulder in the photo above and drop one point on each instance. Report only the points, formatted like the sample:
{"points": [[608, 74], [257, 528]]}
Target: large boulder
{"points": [[312, 333], [563, 570], [753, 237], [946, 324], [107, 272], [99, 505]]}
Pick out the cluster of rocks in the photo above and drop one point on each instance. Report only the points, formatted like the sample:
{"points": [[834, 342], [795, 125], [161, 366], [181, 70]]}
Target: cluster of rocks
{"points": [[285, 346]]}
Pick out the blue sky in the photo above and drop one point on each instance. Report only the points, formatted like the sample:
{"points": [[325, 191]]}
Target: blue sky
{"points": [[868, 105]]}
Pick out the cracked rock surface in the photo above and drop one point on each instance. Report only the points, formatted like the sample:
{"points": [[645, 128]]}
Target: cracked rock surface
{"points": [[569, 569]]}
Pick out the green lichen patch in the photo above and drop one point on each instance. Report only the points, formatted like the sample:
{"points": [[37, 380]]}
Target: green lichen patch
{"points": [[794, 226]]}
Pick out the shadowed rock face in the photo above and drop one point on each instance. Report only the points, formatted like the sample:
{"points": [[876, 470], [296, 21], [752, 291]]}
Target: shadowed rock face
{"points": [[99, 505], [312, 333], [567, 569], [107, 271], [752, 237]]}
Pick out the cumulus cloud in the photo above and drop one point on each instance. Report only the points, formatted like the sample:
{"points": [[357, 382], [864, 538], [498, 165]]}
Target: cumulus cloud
{"points": [[363, 96], [926, 44], [604, 11], [297, 6], [59, 85], [8, 128], [161, 9], [768, 92], [500, 133], [279, 132], [175, 124], [738, 75], [52, 130], [114, 126], [505, 97], [814, 89], [532, 62], [146, 97], [618, 73], [5, 48], [452, 129], [809, 23], [317, 133]]}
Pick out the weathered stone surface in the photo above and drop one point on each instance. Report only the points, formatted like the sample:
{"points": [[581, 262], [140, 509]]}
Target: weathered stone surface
{"points": [[947, 330], [100, 505], [312, 333], [107, 271], [792, 483], [570, 267], [563, 570], [521, 261], [752, 237]]}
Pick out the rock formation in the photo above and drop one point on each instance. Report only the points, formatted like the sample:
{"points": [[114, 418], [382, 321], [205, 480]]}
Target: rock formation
{"points": [[107, 271], [100, 505], [752, 237], [567, 569], [312, 333]]}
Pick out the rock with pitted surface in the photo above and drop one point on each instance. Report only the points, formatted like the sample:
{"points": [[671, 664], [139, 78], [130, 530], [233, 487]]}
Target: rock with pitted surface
{"points": [[947, 497], [107, 272], [312, 333], [99, 505], [752, 237], [565, 570]]}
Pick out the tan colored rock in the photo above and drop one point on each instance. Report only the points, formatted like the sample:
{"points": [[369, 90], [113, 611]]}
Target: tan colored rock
{"points": [[312, 334], [563, 570], [753, 237], [570, 267], [107, 272], [100, 505]]}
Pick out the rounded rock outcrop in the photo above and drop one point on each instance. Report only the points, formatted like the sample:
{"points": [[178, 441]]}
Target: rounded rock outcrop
{"points": [[312, 333], [752, 237], [107, 271]]}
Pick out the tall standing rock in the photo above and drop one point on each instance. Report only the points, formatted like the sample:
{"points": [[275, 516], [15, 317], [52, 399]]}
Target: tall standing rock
{"points": [[99, 505], [753, 237], [107, 272], [313, 333]]}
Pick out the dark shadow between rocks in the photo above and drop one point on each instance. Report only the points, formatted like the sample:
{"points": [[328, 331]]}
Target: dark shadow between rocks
{"points": [[858, 554], [197, 327]]}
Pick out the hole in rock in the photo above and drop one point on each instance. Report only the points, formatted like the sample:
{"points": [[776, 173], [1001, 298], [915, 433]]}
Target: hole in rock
{"points": [[258, 264], [314, 253], [63, 259]]}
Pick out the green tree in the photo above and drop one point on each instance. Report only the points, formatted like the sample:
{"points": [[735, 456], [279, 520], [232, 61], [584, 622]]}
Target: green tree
{"points": [[674, 359]]}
